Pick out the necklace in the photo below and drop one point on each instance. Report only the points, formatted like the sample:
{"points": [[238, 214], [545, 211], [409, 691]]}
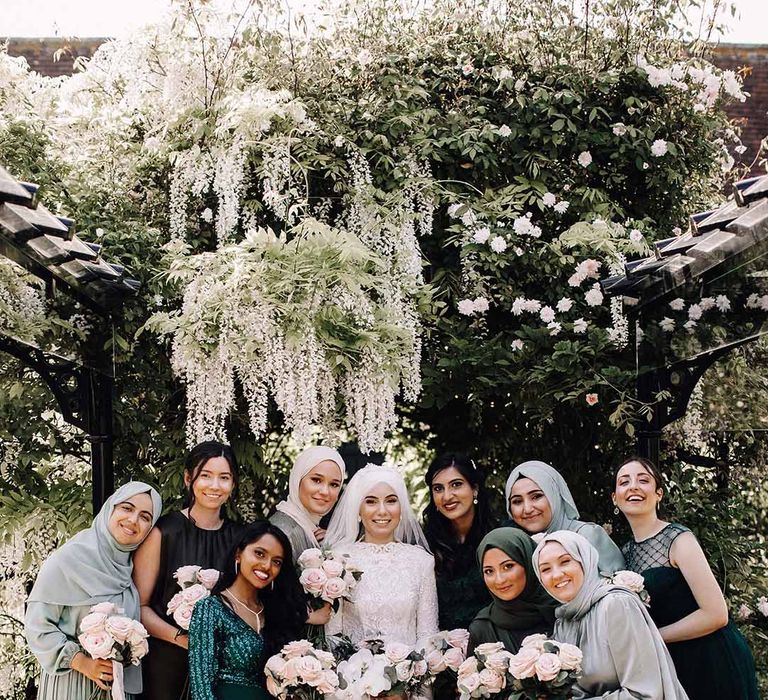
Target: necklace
{"points": [[255, 613]]}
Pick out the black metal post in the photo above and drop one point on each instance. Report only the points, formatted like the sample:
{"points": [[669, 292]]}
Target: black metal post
{"points": [[101, 436], [649, 433]]}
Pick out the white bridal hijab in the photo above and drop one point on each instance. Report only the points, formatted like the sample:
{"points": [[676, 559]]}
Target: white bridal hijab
{"points": [[345, 524], [304, 464]]}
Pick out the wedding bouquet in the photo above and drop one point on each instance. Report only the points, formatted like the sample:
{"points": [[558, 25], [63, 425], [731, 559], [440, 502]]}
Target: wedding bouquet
{"points": [[196, 583], [634, 582], [326, 576], [301, 672], [106, 634], [543, 668], [382, 669], [445, 651]]}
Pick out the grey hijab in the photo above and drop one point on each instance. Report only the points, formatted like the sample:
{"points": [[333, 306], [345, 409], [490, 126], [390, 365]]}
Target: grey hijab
{"points": [[549, 480], [93, 567]]}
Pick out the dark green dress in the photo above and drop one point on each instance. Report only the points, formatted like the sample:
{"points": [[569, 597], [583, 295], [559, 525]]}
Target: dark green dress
{"points": [[717, 666], [224, 654], [461, 592]]}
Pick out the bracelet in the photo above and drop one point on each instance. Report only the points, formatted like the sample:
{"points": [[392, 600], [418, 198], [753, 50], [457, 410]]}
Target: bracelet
{"points": [[178, 634]]}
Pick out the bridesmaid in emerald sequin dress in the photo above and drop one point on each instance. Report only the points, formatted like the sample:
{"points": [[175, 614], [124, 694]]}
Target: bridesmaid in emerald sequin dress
{"points": [[712, 658], [255, 609]]}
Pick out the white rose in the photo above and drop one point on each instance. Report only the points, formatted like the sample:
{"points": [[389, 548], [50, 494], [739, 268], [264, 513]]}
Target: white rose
{"points": [[629, 579], [208, 578], [182, 615], [458, 638], [396, 652], [491, 680], [311, 558], [332, 568], [548, 666], [404, 671], [104, 608], [119, 627], [498, 661], [435, 662], [98, 645], [186, 574], [93, 622], [570, 656], [468, 684], [523, 664], [489, 648], [453, 658], [535, 640], [309, 669], [296, 649], [468, 667]]}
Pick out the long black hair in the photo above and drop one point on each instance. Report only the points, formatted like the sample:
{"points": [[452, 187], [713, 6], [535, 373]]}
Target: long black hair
{"points": [[452, 556], [197, 458], [285, 604]]}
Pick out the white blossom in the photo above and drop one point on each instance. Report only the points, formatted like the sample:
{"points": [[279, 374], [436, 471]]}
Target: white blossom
{"points": [[659, 148], [667, 324], [677, 304], [498, 244], [594, 297], [504, 131], [466, 307], [562, 206], [579, 326], [564, 304], [584, 159], [481, 305], [548, 199], [694, 312], [547, 314], [619, 129], [481, 235], [554, 328], [723, 303], [635, 235], [517, 344]]}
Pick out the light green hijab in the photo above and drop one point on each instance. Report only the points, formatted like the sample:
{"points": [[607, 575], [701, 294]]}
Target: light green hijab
{"points": [[549, 480], [93, 567]]}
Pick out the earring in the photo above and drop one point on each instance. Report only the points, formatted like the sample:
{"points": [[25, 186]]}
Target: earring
{"points": [[474, 500], [237, 566], [272, 587], [616, 510]]}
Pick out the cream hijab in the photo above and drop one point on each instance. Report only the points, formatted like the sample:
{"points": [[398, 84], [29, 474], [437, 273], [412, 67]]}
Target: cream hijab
{"points": [[292, 506]]}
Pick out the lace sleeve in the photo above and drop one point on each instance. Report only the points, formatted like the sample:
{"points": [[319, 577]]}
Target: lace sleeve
{"points": [[334, 625], [426, 613]]}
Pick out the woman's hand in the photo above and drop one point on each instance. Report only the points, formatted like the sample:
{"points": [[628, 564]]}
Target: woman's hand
{"points": [[98, 670], [182, 641], [320, 616], [320, 535]]}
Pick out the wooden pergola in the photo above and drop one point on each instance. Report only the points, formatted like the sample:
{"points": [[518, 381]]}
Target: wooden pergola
{"points": [[47, 247]]}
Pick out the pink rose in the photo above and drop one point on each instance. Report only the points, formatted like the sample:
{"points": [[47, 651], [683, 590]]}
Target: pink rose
{"points": [[629, 579], [453, 658], [186, 574], [208, 577], [435, 662], [458, 638], [420, 668], [548, 666], [468, 684], [93, 622], [334, 588], [194, 593], [137, 634], [329, 682], [491, 680], [523, 664], [309, 669], [396, 652], [290, 674], [183, 615], [98, 645], [498, 661], [275, 665], [174, 603], [272, 687], [313, 580], [325, 657], [293, 650], [570, 656], [467, 668], [139, 649], [311, 558], [404, 671], [332, 568], [104, 608], [119, 627], [535, 640], [489, 648]]}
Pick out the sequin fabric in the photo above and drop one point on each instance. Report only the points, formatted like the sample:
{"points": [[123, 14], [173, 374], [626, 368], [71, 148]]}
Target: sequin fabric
{"points": [[222, 649]]}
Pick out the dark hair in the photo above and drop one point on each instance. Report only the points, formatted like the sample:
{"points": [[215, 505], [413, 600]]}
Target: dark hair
{"points": [[452, 556], [285, 604], [197, 458], [650, 467]]}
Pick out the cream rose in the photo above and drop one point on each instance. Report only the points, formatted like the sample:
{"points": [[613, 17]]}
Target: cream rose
{"points": [[139, 649], [489, 648], [332, 568], [293, 650], [183, 615], [309, 669], [104, 608], [468, 667], [311, 558], [453, 658], [328, 682], [334, 588], [570, 656], [175, 602], [548, 666], [396, 652], [313, 580], [137, 634], [498, 661], [523, 664], [186, 574], [491, 680], [535, 640], [275, 665], [629, 579], [290, 675], [404, 671], [98, 645], [420, 668], [208, 577], [194, 593], [435, 662], [119, 627], [93, 622], [458, 638], [469, 683]]}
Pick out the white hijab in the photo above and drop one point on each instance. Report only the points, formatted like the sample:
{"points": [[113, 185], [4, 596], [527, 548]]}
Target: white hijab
{"points": [[292, 506], [345, 523]]}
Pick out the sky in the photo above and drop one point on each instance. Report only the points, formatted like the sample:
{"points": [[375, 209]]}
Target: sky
{"points": [[112, 18]]}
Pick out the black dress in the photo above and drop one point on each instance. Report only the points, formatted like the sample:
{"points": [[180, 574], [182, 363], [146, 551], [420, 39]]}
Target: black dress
{"points": [[165, 668], [717, 666]]}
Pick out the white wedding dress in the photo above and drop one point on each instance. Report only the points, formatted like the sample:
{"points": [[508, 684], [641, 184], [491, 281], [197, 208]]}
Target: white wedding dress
{"points": [[395, 599]]}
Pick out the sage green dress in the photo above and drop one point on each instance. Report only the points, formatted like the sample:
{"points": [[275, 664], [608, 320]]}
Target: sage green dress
{"points": [[224, 654]]}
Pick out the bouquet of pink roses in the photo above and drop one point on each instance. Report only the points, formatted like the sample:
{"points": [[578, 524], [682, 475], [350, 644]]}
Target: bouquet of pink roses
{"points": [[634, 582], [486, 673], [106, 634], [196, 583], [326, 576], [544, 668], [446, 651], [301, 672], [382, 669]]}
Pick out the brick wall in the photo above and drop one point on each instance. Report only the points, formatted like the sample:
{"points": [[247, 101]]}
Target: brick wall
{"points": [[752, 115]]}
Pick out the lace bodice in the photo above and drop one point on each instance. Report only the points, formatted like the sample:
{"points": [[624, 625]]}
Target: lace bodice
{"points": [[395, 599], [653, 551]]}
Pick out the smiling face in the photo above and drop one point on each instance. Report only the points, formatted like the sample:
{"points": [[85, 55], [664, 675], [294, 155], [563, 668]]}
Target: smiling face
{"points": [[637, 492], [380, 514], [131, 519], [503, 576], [319, 489], [529, 507], [452, 494], [261, 561], [561, 575], [211, 483]]}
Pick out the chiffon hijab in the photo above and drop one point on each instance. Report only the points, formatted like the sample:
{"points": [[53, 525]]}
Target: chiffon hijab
{"points": [[92, 566], [344, 527], [564, 512], [292, 506], [594, 588], [534, 607]]}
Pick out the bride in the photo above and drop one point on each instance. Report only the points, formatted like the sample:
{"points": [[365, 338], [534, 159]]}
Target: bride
{"points": [[395, 599]]}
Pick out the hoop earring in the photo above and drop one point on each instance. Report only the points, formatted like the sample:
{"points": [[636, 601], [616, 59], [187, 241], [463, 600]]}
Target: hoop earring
{"points": [[616, 510], [237, 566], [272, 587]]}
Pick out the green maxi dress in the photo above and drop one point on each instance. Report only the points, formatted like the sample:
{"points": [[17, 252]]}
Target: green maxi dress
{"points": [[224, 654], [717, 665]]}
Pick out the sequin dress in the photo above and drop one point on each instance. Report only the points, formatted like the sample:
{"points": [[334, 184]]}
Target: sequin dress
{"points": [[718, 665], [224, 654]]}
